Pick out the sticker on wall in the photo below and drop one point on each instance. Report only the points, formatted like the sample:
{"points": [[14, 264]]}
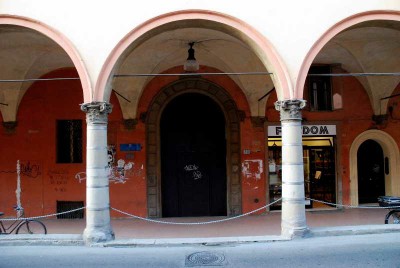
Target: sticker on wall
{"points": [[252, 169]]}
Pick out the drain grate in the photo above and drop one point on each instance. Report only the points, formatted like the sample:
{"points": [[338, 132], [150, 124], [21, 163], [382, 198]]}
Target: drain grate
{"points": [[205, 258]]}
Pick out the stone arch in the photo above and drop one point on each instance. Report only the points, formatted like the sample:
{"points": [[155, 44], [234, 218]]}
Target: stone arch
{"points": [[390, 150], [332, 32], [232, 117], [62, 41], [261, 46]]}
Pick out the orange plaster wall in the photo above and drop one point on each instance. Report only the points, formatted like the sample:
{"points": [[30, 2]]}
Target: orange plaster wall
{"points": [[131, 195], [33, 143], [44, 181], [352, 120]]}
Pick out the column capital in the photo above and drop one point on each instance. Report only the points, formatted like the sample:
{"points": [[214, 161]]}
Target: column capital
{"points": [[96, 112], [290, 109]]}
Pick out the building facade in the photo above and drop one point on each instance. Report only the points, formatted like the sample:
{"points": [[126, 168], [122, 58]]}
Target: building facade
{"points": [[101, 107]]}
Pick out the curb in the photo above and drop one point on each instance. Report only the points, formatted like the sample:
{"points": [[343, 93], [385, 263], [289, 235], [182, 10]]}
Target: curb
{"points": [[77, 240], [354, 230], [41, 240], [211, 241]]}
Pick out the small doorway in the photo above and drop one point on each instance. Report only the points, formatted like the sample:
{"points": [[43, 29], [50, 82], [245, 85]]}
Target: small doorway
{"points": [[193, 157], [370, 168]]}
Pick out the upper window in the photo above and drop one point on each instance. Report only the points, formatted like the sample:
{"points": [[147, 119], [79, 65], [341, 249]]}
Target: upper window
{"points": [[69, 141], [320, 89]]}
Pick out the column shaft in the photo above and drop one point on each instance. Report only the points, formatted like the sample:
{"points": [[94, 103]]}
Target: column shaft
{"points": [[98, 225], [293, 197]]}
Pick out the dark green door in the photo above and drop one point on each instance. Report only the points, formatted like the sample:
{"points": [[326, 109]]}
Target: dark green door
{"points": [[370, 167], [193, 157]]}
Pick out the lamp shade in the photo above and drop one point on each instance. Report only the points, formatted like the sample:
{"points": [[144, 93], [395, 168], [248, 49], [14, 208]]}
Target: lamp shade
{"points": [[191, 64]]}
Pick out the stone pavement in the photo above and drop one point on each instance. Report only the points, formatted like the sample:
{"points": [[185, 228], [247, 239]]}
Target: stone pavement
{"points": [[258, 228]]}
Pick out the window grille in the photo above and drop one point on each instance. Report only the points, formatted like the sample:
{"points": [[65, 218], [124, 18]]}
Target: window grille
{"points": [[63, 206]]}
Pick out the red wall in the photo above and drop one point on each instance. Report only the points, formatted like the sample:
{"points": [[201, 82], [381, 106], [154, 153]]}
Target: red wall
{"points": [[33, 143], [44, 181]]}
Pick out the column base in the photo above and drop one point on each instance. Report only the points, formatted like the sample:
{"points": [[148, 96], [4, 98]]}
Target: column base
{"points": [[294, 233], [97, 235]]}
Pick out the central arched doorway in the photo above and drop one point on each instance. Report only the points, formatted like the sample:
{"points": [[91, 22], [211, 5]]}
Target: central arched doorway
{"points": [[193, 157], [202, 106], [371, 177]]}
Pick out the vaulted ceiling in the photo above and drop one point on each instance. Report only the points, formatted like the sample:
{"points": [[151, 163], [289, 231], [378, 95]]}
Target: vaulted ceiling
{"points": [[370, 47], [25, 54], [367, 47]]}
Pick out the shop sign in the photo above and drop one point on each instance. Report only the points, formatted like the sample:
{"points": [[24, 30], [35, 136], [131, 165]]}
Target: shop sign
{"points": [[308, 130]]}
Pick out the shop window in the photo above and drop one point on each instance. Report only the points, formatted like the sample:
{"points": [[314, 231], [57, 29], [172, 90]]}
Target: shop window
{"points": [[319, 170], [320, 89], [69, 141]]}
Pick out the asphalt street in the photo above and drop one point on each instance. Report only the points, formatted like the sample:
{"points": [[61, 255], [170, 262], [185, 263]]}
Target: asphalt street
{"points": [[378, 250]]}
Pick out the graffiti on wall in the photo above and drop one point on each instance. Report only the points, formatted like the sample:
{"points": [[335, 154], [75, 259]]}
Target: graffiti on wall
{"points": [[30, 169], [116, 174], [59, 180], [26, 168]]}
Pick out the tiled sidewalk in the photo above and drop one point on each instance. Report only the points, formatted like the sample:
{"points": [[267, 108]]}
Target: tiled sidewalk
{"points": [[247, 226]]}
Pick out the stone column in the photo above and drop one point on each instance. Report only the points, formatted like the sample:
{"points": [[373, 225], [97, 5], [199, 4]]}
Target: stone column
{"points": [[293, 222], [98, 225]]}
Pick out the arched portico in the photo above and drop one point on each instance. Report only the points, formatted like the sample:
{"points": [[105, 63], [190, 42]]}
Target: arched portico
{"points": [[62, 41], [390, 150], [256, 42], [245, 40], [331, 33]]}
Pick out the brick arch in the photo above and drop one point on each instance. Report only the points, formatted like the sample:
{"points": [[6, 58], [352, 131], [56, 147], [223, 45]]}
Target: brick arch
{"points": [[232, 118]]}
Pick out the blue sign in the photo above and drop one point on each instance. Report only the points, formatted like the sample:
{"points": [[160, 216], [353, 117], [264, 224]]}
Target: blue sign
{"points": [[130, 147]]}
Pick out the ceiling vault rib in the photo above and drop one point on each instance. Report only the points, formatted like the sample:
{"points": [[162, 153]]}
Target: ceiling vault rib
{"points": [[192, 74], [37, 79], [357, 74]]}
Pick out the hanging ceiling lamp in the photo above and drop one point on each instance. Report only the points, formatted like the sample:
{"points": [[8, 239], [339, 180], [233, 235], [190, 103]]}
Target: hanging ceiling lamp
{"points": [[191, 64]]}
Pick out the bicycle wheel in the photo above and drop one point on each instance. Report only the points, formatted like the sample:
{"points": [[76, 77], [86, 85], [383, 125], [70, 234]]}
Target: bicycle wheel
{"points": [[393, 217], [31, 227]]}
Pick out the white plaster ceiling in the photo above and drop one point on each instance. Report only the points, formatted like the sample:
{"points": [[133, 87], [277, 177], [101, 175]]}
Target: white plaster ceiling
{"points": [[25, 53], [367, 47], [213, 48], [371, 47]]}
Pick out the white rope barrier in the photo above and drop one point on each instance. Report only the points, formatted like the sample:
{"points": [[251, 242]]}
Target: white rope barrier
{"points": [[245, 214], [199, 223], [350, 206], [196, 223], [40, 217]]}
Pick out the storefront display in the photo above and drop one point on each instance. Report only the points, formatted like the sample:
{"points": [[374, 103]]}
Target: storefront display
{"points": [[319, 164]]}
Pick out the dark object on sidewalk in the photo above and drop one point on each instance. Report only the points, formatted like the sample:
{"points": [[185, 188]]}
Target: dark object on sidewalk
{"points": [[392, 203]]}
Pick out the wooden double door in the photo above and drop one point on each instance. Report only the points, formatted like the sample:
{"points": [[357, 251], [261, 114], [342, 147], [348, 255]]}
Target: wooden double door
{"points": [[193, 157]]}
